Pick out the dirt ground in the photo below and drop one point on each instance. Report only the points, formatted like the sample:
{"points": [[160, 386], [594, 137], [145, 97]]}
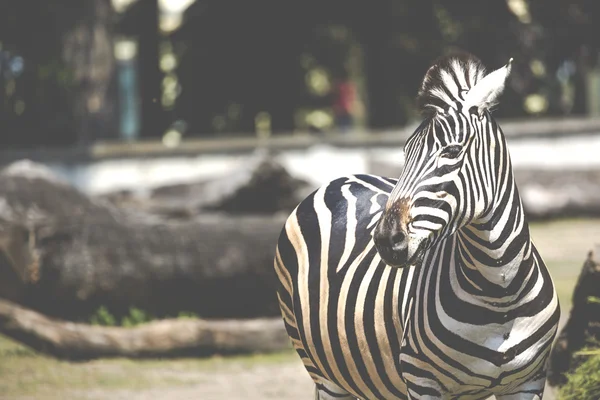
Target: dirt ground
{"points": [[26, 375], [284, 379]]}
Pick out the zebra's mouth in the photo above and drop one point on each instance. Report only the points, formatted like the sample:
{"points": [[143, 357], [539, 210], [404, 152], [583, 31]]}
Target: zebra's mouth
{"points": [[402, 258], [417, 256]]}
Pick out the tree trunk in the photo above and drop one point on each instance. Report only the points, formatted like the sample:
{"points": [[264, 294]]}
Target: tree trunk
{"points": [[88, 52], [66, 254], [583, 326], [153, 122], [166, 338]]}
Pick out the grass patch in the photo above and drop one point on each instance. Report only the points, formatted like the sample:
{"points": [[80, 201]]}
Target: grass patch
{"points": [[584, 382], [136, 316], [564, 277], [27, 374]]}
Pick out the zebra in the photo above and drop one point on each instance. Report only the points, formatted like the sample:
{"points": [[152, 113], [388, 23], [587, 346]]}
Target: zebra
{"points": [[429, 286]]}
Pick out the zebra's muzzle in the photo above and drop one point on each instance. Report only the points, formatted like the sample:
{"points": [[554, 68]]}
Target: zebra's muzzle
{"points": [[397, 248], [393, 258], [391, 242]]}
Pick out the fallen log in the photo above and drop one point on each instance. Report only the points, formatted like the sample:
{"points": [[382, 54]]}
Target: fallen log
{"points": [[583, 326], [164, 338], [66, 254]]}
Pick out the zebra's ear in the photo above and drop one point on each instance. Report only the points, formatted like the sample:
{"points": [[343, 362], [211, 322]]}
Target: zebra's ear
{"points": [[486, 92]]}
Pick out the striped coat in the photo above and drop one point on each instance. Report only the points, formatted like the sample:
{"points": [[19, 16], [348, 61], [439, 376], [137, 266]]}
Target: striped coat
{"points": [[428, 286]]}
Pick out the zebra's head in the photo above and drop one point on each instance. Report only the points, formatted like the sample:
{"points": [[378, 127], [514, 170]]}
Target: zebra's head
{"points": [[452, 161]]}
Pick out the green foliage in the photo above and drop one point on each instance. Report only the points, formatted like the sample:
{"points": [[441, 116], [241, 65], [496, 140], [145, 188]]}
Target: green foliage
{"points": [[584, 382], [187, 314], [136, 316], [36, 100], [593, 300], [103, 317]]}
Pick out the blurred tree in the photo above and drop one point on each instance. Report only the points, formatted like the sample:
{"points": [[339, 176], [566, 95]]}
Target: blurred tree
{"points": [[260, 57], [248, 59], [401, 39], [88, 54], [64, 91], [241, 59], [570, 36], [267, 66]]}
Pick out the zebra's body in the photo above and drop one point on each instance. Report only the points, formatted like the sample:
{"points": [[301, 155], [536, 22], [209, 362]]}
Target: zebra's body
{"points": [[474, 311]]}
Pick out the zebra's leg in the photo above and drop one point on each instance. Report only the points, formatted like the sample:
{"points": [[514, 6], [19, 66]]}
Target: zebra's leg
{"points": [[330, 391], [520, 396], [532, 390]]}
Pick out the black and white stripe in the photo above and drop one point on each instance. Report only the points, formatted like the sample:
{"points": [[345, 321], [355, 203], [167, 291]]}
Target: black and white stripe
{"points": [[428, 286]]}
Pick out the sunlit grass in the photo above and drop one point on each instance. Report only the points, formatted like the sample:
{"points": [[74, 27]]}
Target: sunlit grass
{"points": [[564, 245], [564, 284], [24, 373], [584, 383]]}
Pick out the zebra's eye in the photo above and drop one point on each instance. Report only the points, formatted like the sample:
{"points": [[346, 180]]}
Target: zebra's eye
{"points": [[451, 151]]}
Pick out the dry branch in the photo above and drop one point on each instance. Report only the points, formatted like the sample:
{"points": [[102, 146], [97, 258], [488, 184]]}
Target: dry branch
{"points": [[164, 338]]}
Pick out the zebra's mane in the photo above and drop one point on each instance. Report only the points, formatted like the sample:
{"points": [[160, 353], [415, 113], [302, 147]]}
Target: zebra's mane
{"points": [[447, 80]]}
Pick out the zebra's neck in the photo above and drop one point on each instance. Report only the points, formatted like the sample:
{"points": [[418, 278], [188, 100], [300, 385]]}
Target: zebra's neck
{"points": [[493, 256]]}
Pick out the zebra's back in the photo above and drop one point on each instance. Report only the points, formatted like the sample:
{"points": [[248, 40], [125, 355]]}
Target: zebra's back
{"points": [[342, 306]]}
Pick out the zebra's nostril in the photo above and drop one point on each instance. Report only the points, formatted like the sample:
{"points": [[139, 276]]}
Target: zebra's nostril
{"points": [[389, 237], [398, 239]]}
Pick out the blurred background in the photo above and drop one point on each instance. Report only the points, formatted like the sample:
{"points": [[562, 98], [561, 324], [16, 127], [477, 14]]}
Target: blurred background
{"points": [[151, 150], [75, 73]]}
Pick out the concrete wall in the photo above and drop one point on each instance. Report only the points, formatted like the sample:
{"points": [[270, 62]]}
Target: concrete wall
{"points": [[105, 167], [317, 164]]}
